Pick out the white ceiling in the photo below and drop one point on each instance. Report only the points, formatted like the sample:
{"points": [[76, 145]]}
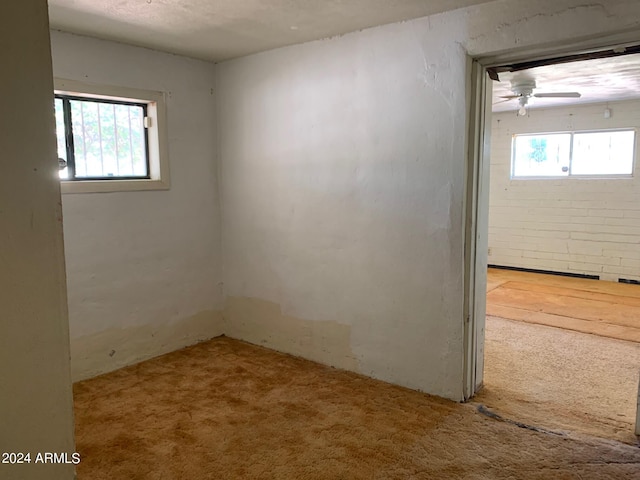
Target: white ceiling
{"points": [[603, 80], [223, 29]]}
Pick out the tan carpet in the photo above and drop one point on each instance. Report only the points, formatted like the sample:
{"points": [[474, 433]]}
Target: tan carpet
{"points": [[228, 410], [561, 379]]}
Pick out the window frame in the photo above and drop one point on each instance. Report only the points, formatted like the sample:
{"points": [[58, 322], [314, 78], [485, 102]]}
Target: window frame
{"points": [[69, 138], [156, 138], [570, 175]]}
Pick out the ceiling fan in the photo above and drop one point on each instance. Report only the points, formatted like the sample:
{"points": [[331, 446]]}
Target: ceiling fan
{"points": [[523, 91]]}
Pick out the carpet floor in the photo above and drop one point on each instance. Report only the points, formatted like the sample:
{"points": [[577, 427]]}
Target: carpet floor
{"points": [[224, 409], [561, 379]]}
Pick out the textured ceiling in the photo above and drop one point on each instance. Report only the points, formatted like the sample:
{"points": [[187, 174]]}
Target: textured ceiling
{"points": [[219, 30], [603, 80]]}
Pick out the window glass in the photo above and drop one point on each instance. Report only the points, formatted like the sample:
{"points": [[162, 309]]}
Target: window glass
{"points": [[603, 153], [108, 139], [545, 155]]}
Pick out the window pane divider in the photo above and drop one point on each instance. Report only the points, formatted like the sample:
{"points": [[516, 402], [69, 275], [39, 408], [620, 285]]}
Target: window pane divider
{"points": [[571, 153], [68, 136]]}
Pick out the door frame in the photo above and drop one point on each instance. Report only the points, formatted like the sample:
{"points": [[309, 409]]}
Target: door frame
{"points": [[476, 201]]}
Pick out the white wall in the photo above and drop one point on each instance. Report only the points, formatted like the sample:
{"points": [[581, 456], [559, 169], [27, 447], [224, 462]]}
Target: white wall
{"points": [[144, 268], [36, 411], [576, 225], [342, 177], [330, 155]]}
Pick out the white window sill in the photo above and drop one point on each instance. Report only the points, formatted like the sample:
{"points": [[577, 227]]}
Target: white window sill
{"points": [[106, 186]]}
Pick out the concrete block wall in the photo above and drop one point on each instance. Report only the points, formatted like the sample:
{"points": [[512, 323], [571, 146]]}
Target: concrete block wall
{"points": [[577, 225], [144, 268]]}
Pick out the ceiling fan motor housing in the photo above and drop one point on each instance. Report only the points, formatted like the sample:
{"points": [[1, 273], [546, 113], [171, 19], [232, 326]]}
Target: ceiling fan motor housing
{"points": [[524, 88]]}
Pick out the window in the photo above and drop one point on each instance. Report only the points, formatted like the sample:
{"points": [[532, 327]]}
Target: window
{"points": [[599, 153], [541, 155], [603, 153], [100, 139], [109, 138]]}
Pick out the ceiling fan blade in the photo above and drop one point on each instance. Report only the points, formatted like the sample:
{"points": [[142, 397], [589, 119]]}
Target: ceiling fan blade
{"points": [[510, 97], [557, 95]]}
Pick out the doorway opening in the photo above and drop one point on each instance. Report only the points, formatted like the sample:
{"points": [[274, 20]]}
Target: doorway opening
{"points": [[555, 192]]}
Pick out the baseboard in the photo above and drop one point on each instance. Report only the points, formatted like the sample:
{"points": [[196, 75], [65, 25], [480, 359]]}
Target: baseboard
{"points": [[545, 272]]}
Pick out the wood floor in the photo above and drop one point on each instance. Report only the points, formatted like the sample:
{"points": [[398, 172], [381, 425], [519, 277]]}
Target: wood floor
{"points": [[598, 307]]}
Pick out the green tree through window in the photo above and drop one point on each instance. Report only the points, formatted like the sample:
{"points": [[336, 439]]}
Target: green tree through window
{"points": [[538, 149]]}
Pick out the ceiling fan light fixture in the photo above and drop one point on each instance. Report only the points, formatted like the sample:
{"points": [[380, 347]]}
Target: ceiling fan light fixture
{"points": [[523, 101]]}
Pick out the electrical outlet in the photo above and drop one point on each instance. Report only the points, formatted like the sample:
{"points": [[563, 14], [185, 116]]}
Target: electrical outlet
{"points": [[489, 251]]}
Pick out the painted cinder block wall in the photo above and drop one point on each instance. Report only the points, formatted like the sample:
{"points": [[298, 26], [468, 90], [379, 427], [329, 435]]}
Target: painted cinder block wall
{"points": [[144, 268], [342, 177], [574, 225]]}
